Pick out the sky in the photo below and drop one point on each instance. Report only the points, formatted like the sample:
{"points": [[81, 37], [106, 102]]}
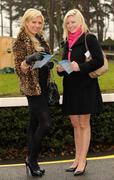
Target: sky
{"points": [[110, 32]]}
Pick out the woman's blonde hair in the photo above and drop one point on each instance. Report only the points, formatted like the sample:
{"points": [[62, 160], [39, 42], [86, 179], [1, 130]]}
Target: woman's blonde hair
{"points": [[80, 21], [28, 16]]}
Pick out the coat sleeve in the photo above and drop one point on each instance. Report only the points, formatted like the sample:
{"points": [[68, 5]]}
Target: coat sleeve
{"points": [[95, 50], [19, 51], [64, 56]]}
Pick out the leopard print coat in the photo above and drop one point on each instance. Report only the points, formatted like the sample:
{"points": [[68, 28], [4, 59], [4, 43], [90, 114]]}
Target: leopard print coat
{"points": [[29, 82]]}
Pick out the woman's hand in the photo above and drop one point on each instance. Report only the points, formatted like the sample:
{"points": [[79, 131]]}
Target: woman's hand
{"points": [[24, 67], [75, 66], [60, 68]]}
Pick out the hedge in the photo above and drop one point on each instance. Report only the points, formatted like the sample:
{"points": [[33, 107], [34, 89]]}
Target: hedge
{"points": [[59, 140]]}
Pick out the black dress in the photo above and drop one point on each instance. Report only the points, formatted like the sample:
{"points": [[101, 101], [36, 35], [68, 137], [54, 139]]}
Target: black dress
{"points": [[81, 94], [40, 103]]}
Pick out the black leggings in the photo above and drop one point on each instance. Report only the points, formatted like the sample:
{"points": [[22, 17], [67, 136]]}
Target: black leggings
{"points": [[38, 126]]}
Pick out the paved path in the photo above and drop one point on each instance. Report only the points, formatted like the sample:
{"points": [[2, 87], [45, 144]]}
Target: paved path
{"points": [[98, 168]]}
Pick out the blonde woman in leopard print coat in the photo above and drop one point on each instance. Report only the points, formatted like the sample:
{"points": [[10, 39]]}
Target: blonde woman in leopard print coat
{"points": [[33, 83]]}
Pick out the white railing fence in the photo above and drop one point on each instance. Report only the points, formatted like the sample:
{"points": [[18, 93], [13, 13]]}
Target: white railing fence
{"points": [[22, 101]]}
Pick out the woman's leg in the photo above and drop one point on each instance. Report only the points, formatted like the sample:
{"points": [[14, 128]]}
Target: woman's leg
{"points": [[77, 138], [39, 134], [33, 124], [39, 124], [85, 131]]}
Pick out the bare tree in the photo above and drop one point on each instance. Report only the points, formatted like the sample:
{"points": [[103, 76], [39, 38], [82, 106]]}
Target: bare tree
{"points": [[8, 7], [50, 12], [54, 11], [1, 17]]}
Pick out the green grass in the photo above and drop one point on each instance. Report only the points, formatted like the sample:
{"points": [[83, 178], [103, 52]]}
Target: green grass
{"points": [[107, 80], [9, 85]]}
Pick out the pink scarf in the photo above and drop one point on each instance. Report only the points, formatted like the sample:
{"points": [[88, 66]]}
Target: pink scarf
{"points": [[72, 38]]}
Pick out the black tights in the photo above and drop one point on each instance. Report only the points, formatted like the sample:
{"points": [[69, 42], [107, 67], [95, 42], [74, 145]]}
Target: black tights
{"points": [[38, 127]]}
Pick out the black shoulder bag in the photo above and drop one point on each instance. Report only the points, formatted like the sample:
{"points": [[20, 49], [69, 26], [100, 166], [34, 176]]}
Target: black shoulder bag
{"points": [[52, 91]]}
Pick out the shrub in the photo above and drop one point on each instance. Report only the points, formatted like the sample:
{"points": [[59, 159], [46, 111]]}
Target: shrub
{"points": [[59, 140]]}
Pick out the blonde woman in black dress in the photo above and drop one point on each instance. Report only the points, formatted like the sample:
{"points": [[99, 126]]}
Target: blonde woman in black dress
{"points": [[81, 93]]}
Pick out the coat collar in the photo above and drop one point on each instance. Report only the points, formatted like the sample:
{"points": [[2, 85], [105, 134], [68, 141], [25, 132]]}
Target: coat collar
{"points": [[23, 37], [81, 40]]}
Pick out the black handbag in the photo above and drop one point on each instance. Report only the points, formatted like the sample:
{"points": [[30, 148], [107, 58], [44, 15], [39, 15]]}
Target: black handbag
{"points": [[52, 92]]}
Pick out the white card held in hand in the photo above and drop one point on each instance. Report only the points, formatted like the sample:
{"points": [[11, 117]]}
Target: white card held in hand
{"points": [[87, 54], [45, 60], [66, 64]]}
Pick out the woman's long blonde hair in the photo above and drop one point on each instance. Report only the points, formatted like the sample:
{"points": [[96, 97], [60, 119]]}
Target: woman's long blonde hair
{"points": [[28, 16], [80, 20]]}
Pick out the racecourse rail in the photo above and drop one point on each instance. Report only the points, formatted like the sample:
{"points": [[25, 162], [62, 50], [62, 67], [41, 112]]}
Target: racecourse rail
{"points": [[22, 101]]}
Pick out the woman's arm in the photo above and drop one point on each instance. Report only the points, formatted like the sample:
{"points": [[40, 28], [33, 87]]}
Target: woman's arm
{"points": [[19, 51], [95, 50]]}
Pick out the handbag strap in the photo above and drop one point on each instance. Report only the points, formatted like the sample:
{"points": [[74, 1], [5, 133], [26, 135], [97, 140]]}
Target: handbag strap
{"points": [[86, 46]]}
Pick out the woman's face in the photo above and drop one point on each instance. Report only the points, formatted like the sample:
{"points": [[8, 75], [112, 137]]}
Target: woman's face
{"points": [[72, 24], [35, 25]]}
